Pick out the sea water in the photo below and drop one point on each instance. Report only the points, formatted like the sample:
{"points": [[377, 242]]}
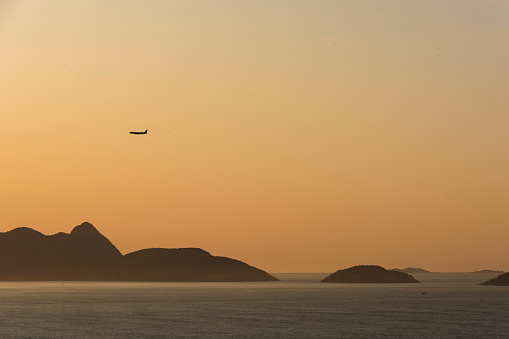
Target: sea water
{"points": [[298, 306]]}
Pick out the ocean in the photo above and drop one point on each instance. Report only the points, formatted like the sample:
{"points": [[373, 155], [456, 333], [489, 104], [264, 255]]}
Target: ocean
{"points": [[445, 305]]}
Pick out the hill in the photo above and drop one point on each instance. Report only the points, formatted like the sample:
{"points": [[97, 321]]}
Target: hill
{"points": [[369, 274], [501, 280], [85, 255], [185, 264]]}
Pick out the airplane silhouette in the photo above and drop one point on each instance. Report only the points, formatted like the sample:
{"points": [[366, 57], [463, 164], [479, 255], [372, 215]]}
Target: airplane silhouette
{"points": [[138, 133]]}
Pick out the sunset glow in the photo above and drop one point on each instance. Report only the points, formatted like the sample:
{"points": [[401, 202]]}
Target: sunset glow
{"points": [[297, 136]]}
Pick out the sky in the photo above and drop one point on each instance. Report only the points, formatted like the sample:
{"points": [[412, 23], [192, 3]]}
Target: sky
{"points": [[296, 136]]}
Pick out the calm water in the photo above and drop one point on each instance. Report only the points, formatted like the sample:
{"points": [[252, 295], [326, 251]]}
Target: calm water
{"points": [[296, 307]]}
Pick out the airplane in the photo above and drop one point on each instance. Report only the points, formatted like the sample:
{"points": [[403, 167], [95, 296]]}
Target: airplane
{"points": [[138, 133]]}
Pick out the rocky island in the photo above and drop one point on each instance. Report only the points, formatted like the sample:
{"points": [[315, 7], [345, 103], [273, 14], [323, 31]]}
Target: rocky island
{"points": [[488, 271], [411, 270], [369, 274], [501, 280], [87, 255]]}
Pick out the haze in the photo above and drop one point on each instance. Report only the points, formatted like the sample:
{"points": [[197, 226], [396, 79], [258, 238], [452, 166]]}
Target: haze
{"points": [[297, 136]]}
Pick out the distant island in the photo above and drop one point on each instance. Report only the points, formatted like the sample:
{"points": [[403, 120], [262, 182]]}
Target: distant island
{"points": [[369, 274], [500, 280], [411, 270], [87, 255], [488, 271]]}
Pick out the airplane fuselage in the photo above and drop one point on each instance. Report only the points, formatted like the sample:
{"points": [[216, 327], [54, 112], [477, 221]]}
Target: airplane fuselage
{"points": [[138, 133]]}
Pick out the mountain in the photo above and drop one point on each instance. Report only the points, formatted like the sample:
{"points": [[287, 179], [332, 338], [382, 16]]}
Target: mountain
{"points": [[411, 270], [369, 274], [93, 244], [85, 254], [26, 254]]}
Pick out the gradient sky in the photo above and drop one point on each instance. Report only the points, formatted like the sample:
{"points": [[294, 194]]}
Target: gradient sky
{"points": [[297, 136]]}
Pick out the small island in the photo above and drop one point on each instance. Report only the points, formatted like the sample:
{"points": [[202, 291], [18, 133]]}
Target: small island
{"points": [[369, 274], [488, 271], [411, 270], [501, 280], [87, 255]]}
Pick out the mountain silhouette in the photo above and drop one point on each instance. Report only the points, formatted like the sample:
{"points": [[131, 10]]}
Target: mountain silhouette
{"points": [[26, 254], [92, 244], [369, 274], [85, 254], [188, 264], [500, 280]]}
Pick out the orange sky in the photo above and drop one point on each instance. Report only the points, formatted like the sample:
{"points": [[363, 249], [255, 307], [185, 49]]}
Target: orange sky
{"points": [[297, 136]]}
